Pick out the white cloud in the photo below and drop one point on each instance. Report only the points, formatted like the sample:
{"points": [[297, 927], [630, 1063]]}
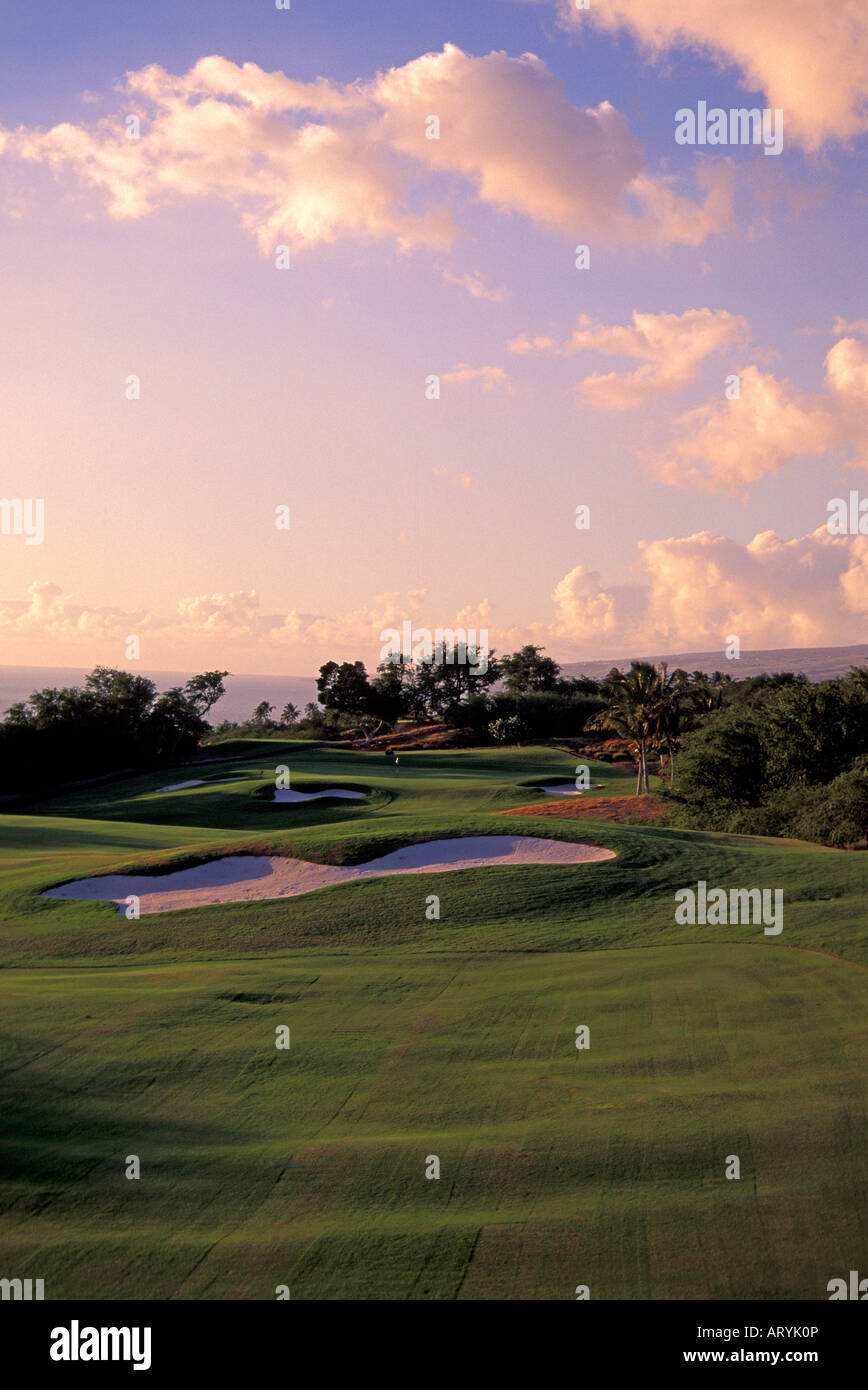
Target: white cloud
{"points": [[858, 326], [809, 57], [475, 286], [671, 347], [488, 377], [690, 593], [725, 445], [236, 612], [220, 621], [315, 161], [698, 590], [47, 612]]}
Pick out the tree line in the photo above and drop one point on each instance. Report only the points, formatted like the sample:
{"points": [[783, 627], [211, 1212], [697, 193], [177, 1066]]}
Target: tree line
{"points": [[770, 755], [533, 700], [116, 721]]}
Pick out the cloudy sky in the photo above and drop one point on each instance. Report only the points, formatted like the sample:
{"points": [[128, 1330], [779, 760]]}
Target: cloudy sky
{"points": [[153, 161]]}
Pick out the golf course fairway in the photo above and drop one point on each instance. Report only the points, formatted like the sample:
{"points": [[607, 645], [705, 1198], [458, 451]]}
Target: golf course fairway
{"points": [[415, 1035]]}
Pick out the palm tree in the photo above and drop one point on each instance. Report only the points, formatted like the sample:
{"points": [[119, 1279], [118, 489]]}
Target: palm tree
{"points": [[673, 689], [634, 697], [289, 715], [707, 691], [646, 705]]}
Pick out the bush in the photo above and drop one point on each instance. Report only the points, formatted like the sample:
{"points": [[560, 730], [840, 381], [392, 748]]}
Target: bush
{"points": [[721, 767], [509, 730], [836, 814], [547, 713], [472, 715]]}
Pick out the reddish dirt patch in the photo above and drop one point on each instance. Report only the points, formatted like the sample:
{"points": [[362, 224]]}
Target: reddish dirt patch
{"points": [[625, 810], [405, 738]]}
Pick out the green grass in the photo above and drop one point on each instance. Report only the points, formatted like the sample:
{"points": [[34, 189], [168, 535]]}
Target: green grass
{"points": [[413, 1037], [422, 783]]}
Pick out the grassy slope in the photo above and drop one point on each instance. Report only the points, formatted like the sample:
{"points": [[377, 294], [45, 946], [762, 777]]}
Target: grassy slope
{"points": [[411, 1038]]}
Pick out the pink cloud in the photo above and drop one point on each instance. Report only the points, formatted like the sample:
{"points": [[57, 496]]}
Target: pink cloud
{"points": [[809, 57], [697, 590], [314, 162], [488, 377], [671, 347], [727, 444], [475, 286]]}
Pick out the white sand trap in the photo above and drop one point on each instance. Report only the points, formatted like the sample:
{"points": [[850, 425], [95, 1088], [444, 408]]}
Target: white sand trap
{"points": [[246, 877], [286, 795], [201, 782], [569, 789]]}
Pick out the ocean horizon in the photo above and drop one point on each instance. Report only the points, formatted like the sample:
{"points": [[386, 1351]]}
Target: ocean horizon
{"points": [[244, 692]]}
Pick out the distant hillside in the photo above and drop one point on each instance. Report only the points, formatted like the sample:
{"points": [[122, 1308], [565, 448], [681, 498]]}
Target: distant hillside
{"points": [[817, 663]]}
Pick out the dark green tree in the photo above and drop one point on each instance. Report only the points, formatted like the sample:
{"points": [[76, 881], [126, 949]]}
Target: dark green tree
{"points": [[527, 670]]}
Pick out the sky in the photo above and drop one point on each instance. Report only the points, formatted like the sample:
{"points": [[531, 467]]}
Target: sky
{"points": [[432, 386]]}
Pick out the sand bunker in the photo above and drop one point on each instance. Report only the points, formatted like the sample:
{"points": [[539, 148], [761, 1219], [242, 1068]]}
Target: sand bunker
{"points": [[245, 877], [202, 782], [278, 795], [568, 789], [309, 796]]}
